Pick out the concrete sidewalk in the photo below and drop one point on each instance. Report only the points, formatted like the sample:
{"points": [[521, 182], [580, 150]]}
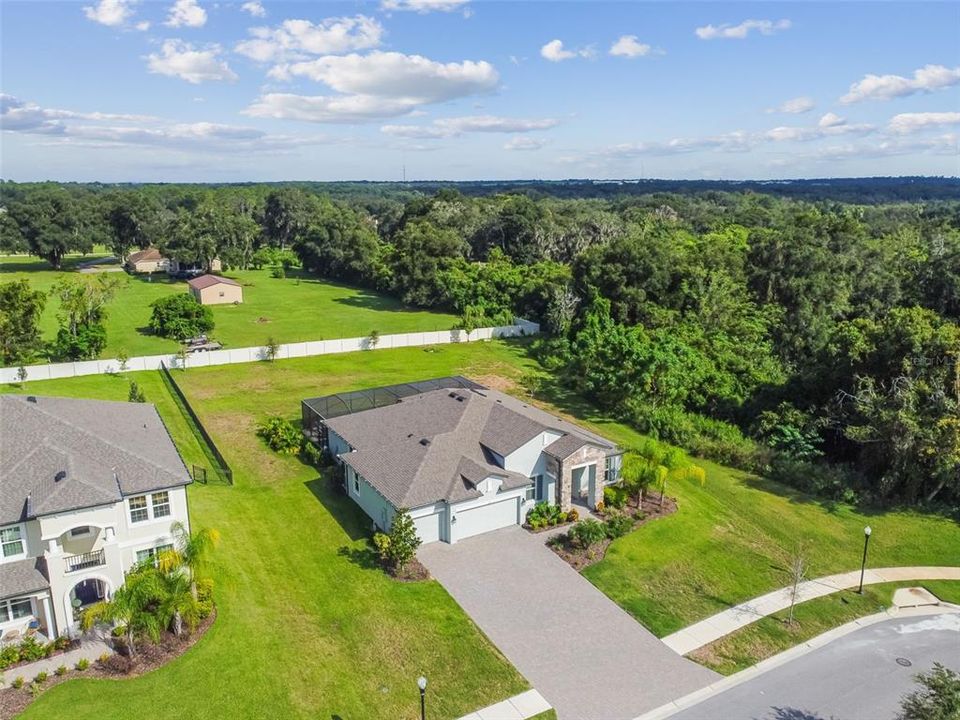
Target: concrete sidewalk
{"points": [[91, 649], [726, 622], [519, 707]]}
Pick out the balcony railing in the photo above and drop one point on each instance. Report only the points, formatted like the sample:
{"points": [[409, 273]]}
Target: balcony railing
{"points": [[84, 561]]}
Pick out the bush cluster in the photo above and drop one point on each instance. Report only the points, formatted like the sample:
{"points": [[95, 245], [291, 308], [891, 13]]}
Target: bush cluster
{"points": [[545, 515], [281, 435], [30, 649]]}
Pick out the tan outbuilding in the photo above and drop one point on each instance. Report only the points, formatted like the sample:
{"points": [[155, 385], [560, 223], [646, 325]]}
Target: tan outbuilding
{"points": [[147, 261], [215, 290]]}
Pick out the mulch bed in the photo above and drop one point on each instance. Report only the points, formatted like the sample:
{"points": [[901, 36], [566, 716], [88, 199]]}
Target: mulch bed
{"points": [[115, 667], [413, 572], [579, 558]]}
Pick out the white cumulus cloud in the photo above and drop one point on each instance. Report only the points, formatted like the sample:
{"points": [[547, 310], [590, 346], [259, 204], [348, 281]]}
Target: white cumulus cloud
{"points": [[112, 13], [886, 87], [179, 59], [254, 8], [524, 143], [741, 31], [912, 122], [297, 39], [794, 106], [412, 78], [554, 51], [186, 13], [452, 127], [328, 108], [629, 46], [423, 6]]}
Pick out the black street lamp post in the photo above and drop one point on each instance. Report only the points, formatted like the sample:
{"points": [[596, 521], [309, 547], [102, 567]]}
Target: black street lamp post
{"points": [[422, 684], [863, 565]]}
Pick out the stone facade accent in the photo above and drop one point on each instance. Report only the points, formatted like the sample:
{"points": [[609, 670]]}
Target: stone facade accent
{"points": [[585, 455]]}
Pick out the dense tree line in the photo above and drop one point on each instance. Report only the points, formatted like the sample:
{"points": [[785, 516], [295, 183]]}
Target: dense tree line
{"points": [[814, 340]]}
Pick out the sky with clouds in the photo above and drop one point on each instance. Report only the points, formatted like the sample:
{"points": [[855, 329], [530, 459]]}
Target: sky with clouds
{"points": [[196, 90]]}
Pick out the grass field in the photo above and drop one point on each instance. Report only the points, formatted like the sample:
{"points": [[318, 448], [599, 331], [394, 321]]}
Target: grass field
{"points": [[290, 310], [771, 635], [309, 628]]}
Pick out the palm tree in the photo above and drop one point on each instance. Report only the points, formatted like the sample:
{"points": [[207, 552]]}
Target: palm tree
{"points": [[654, 464], [191, 551], [133, 607], [178, 604]]}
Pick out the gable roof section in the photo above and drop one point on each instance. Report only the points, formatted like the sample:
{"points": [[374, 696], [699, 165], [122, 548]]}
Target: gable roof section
{"points": [[23, 576], [150, 253], [59, 454], [205, 281], [436, 446]]}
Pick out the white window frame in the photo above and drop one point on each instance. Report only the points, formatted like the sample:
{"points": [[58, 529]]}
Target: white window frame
{"points": [[150, 507], [151, 553], [145, 509], [154, 505], [21, 538], [6, 610]]}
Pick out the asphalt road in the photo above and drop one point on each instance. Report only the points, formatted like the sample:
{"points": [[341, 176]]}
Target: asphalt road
{"points": [[856, 677]]}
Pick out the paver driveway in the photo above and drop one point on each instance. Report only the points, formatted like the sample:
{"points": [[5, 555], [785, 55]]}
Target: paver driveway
{"points": [[584, 654]]}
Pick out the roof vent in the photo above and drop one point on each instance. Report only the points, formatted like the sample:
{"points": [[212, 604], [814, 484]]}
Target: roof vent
{"points": [[62, 475], [425, 441]]}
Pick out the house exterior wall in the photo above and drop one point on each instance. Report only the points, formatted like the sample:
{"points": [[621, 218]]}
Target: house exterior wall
{"points": [[586, 455], [337, 444], [149, 266], [375, 505], [110, 531], [219, 294], [529, 459]]}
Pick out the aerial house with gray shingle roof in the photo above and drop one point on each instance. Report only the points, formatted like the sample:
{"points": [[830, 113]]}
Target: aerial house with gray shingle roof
{"points": [[87, 489], [462, 458]]}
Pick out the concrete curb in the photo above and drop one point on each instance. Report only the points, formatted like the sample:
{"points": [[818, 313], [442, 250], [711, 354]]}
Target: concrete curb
{"points": [[694, 698]]}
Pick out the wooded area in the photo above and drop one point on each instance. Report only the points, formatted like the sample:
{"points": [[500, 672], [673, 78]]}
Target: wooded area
{"points": [[813, 340]]}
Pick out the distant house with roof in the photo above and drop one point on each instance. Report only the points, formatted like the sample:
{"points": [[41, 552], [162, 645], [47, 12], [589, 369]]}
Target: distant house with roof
{"points": [[215, 290], [87, 490], [464, 459], [148, 260]]}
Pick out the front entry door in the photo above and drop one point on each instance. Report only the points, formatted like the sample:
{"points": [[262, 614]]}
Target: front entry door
{"points": [[576, 477], [592, 486]]}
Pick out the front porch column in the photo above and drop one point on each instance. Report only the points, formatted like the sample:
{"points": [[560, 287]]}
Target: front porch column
{"points": [[565, 487], [49, 618]]}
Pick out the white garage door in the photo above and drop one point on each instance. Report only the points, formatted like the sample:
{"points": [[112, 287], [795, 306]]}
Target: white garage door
{"points": [[428, 527], [486, 517]]}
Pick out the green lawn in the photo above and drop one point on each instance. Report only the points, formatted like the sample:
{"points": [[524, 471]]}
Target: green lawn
{"points": [[771, 635], [290, 310], [307, 628]]}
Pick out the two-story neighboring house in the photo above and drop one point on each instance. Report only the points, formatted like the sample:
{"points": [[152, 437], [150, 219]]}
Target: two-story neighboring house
{"points": [[462, 458], [87, 489]]}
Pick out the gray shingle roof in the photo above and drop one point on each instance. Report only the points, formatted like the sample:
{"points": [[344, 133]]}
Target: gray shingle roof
{"points": [[23, 576], [59, 454], [436, 446]]}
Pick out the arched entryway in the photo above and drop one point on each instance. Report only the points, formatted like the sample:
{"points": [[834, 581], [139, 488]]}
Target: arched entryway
{"points": [[83, 594]]}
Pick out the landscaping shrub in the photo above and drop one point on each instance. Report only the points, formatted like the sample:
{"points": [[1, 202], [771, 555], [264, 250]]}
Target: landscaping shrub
{"points": [[82, 664], [61, 671], [17, 683], [403, 540], [103, 658], [618, 524], [311, 454], [587, 533], [544, 515], [8, 656], [61, 643], [180, 317], [31, 650], [381, 541], [41, 677], [614, 497], [281, 435], [573, 515]]}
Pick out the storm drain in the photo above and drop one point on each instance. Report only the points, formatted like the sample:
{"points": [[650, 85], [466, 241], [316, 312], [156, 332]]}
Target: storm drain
{"points": [[904, 662]]}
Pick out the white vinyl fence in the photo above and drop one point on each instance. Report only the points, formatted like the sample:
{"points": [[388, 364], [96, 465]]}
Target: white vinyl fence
{"points": [[254, 354]]}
